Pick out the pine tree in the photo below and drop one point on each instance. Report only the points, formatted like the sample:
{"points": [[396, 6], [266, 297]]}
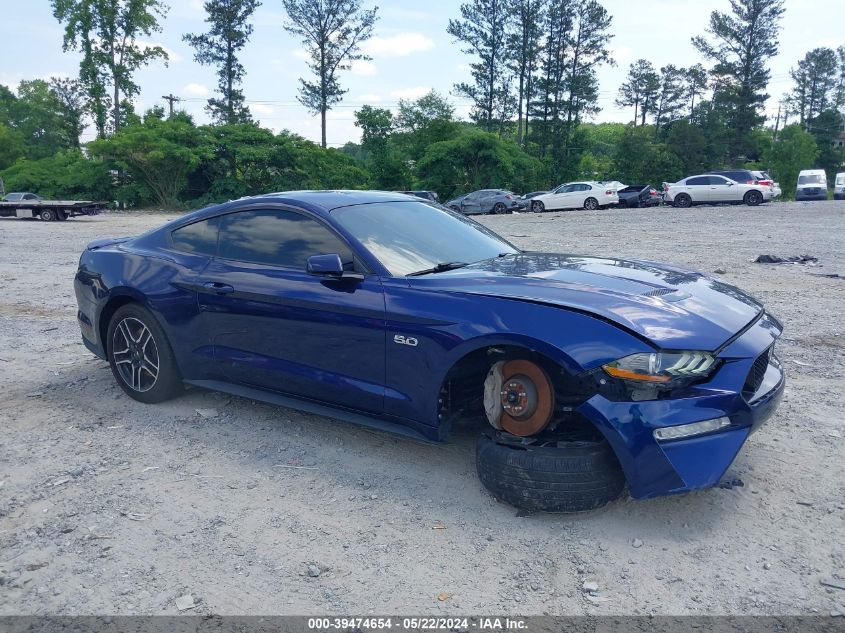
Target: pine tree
{"points": [[695, 85], [815, 84], [671, 97], [332, 32], [524, 38], [229, 31], [641, 79], [482, 29], [741, 43]]}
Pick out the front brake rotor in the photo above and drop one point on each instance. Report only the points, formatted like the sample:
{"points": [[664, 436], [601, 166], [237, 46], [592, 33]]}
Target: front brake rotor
{"points": [[527, 398]]}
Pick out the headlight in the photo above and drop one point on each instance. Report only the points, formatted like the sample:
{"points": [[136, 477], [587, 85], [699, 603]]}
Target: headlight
{"points": [[664, 367]]}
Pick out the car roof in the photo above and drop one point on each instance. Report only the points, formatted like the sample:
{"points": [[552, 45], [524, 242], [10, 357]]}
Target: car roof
{"points": [[318, 202]]}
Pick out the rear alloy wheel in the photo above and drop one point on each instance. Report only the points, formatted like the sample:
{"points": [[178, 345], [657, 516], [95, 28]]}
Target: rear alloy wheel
{"points": [[682, 201], [140, 356], [591, 204], [537, 206], [753, 198], [47, 215], [499, 208]]}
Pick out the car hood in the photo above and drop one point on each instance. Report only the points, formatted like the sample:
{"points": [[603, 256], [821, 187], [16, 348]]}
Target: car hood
{"points": [[674, 308]]}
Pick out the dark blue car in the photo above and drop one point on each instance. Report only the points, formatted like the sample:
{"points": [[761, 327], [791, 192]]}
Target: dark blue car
{"points": [[583, 374]]}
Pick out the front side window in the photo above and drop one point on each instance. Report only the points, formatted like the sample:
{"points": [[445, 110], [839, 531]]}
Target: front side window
{"points": [[718, 180], [199, 238], [411, 236], [277, 238]]}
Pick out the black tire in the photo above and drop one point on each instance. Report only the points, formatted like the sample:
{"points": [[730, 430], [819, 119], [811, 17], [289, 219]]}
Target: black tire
{"points": [[682, 201], [499, 208], [591, 204], [47, 215], [61, 215], [753, 198], [168, 381], [537, 206], [578, 478]]}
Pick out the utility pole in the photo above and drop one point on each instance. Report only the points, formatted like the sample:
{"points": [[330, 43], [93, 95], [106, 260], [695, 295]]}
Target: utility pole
{"points": [[777, 121], [171, 99]]}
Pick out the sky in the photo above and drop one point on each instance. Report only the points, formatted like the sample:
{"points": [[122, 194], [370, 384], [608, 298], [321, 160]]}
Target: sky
{"points": [[411, 54]]}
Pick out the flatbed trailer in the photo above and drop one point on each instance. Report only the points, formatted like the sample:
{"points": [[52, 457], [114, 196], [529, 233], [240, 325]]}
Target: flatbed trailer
{"points": [[50, 210]]}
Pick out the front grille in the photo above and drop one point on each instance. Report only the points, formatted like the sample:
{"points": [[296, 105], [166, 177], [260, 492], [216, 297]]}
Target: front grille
{"points": [[755, 376]]}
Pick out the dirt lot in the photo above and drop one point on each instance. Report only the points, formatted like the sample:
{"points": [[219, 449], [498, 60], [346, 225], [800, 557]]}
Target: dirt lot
{"points": [[111, 506]]}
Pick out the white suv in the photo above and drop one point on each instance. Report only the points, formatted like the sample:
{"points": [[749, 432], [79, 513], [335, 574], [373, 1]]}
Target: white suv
{"points": [[712, 189], [577, 195]]}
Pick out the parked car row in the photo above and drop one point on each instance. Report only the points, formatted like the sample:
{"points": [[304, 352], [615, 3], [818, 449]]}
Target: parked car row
{"points": [[732, 186]]}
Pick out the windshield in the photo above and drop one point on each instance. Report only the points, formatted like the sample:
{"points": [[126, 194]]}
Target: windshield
{"points": [[814, 179], [408, 237]]}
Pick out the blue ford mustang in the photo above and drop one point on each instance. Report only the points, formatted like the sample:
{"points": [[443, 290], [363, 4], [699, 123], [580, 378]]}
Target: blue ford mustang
{"points": [[584, 373]]}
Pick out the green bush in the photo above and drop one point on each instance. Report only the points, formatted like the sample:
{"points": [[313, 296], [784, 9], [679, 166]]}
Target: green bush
{"points": [[65, 175]]}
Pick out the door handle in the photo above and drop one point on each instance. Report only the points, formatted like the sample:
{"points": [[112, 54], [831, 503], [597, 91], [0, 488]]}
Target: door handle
{"points": [[218, 287]]}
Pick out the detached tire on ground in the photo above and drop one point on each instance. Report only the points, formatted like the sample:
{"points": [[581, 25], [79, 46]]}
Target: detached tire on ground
{"points": [[576, 478]]}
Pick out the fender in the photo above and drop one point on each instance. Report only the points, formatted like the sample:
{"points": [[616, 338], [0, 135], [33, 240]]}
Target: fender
{"points": [[415, 374]]}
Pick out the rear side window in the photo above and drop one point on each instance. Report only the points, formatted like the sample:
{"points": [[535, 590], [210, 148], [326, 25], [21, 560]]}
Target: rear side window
{"points": [[277, 238], [199, 238], [700, 180]]}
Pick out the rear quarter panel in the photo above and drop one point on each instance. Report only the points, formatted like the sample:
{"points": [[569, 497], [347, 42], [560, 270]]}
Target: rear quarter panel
{"points": [[157, 280]]}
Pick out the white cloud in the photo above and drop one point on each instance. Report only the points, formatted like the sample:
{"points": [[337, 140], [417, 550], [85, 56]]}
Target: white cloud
{"points": [[363, 68], [411, 93], [195, 90], [172, 55], [398, 45], [261, 109]]}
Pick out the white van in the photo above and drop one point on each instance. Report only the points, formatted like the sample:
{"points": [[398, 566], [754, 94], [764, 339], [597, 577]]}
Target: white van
{"points": [[812, 185], [839, 187]]}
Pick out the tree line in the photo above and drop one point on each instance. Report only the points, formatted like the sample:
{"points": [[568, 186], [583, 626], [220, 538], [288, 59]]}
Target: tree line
{"points": [[533, 88]]}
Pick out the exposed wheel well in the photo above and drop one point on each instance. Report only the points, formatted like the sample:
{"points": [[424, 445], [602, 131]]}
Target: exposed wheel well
{"points": [[461, 398], [105, 316]]}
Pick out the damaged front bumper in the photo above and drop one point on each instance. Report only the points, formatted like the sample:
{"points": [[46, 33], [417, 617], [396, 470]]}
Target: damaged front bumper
{"points": [[687, 442]]}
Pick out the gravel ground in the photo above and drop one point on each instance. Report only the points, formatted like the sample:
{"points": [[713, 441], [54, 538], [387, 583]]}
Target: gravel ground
{"points": [[110, 506]]}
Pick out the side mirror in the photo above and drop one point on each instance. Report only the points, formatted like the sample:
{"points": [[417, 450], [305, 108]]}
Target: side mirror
{"points": [[329, 266], [325, 265]]}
